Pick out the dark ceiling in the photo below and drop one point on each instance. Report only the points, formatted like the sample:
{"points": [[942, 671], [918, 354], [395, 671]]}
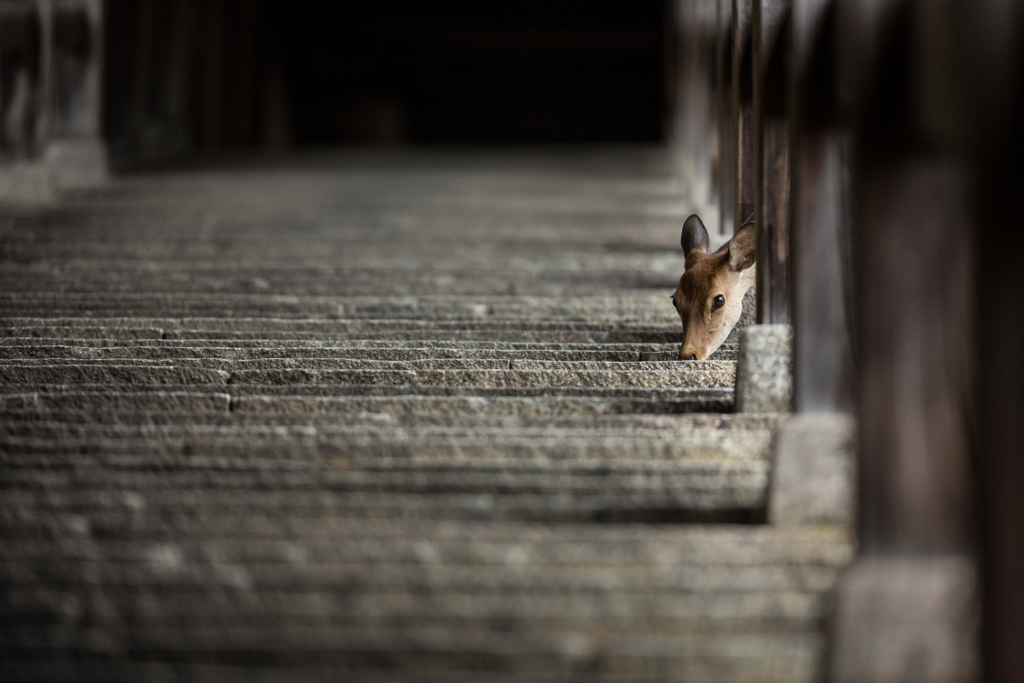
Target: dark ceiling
{"points": [[469, 71]]}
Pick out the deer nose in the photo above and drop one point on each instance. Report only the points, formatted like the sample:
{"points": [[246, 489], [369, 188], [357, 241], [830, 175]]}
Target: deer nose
{"points": [[692, 356]]}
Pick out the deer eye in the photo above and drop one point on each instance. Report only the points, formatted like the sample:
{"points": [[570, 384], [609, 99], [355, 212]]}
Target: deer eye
{"points": [[717, 302], [675, 303]]}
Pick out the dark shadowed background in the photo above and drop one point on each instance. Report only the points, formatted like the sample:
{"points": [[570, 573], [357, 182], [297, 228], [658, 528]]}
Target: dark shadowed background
{"points": [[207, 75]]}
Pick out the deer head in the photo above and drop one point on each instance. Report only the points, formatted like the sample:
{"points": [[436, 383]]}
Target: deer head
{"points": [[709, 298]]}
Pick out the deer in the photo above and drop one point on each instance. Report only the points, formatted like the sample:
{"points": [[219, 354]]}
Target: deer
{"points": [[709, 297]]}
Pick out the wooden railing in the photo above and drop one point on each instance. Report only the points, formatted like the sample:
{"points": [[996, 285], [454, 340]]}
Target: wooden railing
{"points": [[879, 141]]}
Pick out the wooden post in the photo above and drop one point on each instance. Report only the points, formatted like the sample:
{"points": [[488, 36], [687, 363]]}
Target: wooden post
{"points": [[771, 127], [823, 367], [22, 79], [77, 68], [993, 34], [906, 607], [914, 311], [814, 450], [76, 154], [24, 101], [694, 118], [743, 99], [725, 165]]}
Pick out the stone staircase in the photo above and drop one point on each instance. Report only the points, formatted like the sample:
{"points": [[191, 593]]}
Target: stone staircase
{"points": [[381, 417]]}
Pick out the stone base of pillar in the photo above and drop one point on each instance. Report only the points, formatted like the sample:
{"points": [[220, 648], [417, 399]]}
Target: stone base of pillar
{"points": [[77, 164], [25, 182], [906, 619], [764, 373], [813, 477]]}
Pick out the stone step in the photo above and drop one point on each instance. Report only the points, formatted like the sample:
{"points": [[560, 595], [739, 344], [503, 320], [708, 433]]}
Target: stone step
{"points": [[108, 374], [652, 308], [539, 608], [99, 402], [547, 284], [487, 508], [268, 345], [329, 324], [388, 589], [298, 363], [336, 390], [177, 352], [350, 260], [81, 332], [266, 399], [489, 659], [568, 374], [580, 491], [658, 554], [382, 438], [417, 336], [682, 375], [324, 362], [396, 573], [203, 517], [413, 412], [415, 434]]}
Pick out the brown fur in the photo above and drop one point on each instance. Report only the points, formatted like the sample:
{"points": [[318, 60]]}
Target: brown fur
{"points": [[728, 272]]}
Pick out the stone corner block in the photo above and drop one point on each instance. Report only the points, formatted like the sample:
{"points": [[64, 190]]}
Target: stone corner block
{"points": [[906, 619], [78, 163], [764, 371], [813, 478]]}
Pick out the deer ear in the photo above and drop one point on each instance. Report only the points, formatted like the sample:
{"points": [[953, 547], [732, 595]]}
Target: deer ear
{"points": [[694, 237], [742, 248]]}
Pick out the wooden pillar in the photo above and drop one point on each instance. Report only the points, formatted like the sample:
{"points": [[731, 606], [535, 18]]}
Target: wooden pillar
{"points": [[743, 101], [23, 111], [771, 130], [914, 245], [694, 120], [725, 165], [77, 68], [907, 606], [806, 277], [76, 153], [993, 35], [823, 360]]}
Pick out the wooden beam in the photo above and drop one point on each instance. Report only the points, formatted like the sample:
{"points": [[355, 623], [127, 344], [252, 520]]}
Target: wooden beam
{"points": [[771, 141]]}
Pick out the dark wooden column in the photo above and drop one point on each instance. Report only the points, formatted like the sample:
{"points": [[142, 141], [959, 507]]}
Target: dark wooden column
{"points": [[907, 606], [993, 34], [823, 360], [914, 310], [743, 109], [77, 68], [724, 157], [771, 129], [23, 110], [691, 85]]}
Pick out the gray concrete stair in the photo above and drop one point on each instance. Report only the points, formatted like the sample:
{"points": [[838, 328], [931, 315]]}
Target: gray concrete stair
{"points": [[412, 417]]}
